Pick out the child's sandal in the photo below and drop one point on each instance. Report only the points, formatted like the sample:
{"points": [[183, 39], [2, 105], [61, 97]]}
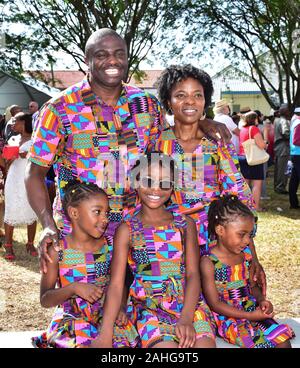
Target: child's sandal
{"points": [[30, 249], [9, 252]]}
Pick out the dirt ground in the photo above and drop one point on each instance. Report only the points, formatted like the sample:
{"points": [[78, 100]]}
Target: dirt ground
{"points": [[277, 244]]}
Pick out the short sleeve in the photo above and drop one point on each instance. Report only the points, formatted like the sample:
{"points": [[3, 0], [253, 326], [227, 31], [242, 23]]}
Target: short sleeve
{"points": [[46, 138], [254, 130]]}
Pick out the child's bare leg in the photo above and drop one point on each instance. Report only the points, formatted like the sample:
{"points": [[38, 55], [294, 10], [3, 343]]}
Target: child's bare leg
{"points": [[205, 342], [166, 344]]}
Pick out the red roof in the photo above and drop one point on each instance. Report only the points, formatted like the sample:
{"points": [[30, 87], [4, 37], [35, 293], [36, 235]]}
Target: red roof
{"points": [[65, 78]]}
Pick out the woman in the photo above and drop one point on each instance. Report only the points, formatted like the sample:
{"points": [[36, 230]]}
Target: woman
{"points": [[254, 175], [17, 208], [207, 168]]}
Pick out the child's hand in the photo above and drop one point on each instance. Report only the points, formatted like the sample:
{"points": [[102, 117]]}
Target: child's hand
{"points": [[122, 318], [88, 292], [186, 333], [259, 315], [266, 306]]}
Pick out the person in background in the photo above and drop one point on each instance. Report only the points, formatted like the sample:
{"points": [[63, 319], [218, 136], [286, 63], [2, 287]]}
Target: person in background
{"points": [[243, 315], [222, 115], [33, 107], [281, 149], [254, 175], [295, 158], [8, 131], [17, 209]]}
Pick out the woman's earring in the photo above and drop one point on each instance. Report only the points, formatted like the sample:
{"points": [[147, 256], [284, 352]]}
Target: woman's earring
{"points": [[203, 117], [169, 111]]}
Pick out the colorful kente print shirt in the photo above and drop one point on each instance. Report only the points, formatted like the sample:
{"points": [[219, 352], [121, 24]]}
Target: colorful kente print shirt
{"points": [[203, 176], [88, 140]]}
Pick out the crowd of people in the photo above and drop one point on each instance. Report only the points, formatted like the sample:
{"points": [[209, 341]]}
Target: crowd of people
{"points": [[150, 239]]}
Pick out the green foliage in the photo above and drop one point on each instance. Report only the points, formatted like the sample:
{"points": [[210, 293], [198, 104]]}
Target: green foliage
{"points": [[65, 25], [243, 31]]}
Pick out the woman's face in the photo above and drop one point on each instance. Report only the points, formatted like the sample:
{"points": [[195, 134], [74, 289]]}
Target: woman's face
{"points": [[18, 126], [187, 101]]}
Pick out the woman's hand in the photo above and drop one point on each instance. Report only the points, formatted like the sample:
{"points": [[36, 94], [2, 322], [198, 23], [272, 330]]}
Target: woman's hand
{"points": [[215, 130], [186, 334], [89, 292], [257, 275]]}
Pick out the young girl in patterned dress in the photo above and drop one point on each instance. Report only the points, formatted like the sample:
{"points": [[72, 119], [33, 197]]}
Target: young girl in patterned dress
{"points": [[243, 316], [161, 247], [82, 268]]}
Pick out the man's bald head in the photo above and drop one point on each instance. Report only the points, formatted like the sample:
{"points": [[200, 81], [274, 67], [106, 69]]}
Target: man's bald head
{"points": [[98, 35]]}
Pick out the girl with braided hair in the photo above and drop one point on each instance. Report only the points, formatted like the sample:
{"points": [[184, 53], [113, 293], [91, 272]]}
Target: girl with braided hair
{"points": [[82, 269], [242, 314]]}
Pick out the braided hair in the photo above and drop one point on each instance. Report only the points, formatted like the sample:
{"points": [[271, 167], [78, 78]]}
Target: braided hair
{"points": [[75, 192], [225, 210]]}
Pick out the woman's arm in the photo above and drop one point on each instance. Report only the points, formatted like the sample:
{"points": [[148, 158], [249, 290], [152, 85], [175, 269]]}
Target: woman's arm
{"points": [[260, 141], [184, 327], [115, 289]]}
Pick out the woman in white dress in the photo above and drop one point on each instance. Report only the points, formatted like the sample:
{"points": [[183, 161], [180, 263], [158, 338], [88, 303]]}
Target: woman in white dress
{"points": [[17, 207]]}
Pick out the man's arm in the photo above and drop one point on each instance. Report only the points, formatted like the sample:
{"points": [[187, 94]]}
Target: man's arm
{"points": [[215, 130], [38, 198]]}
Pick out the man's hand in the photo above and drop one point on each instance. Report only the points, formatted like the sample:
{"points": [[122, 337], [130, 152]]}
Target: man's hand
{"points": [[48, 237], [215, 130]]}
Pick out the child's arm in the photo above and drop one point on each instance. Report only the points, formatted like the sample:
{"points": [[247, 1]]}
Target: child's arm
{"points": [[211, 295], [51, 296], [184, 329], [114, 293]]}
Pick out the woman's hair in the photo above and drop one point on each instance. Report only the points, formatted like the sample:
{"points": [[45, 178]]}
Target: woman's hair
{"points": [[27, 118], [150, 158], [177, 73], [224, 210], [75, 192], [250, 118]]}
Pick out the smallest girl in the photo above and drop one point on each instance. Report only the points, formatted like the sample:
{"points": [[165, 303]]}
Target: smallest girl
{"points": [[242, 315], [82, 269]]}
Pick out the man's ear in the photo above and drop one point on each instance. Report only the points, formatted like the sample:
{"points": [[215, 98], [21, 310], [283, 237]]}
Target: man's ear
{"points": [[219, 229], [73, 212]]}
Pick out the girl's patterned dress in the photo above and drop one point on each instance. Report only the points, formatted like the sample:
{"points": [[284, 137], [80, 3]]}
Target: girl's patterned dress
{"points": [[210, 171], [232, 283], [156, 258], [75, 323]]}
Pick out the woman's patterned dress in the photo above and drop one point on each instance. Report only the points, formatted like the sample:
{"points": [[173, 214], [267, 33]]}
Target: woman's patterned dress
{"points": [[232, 283], [210, 171], [157, 261], [75, 323]]}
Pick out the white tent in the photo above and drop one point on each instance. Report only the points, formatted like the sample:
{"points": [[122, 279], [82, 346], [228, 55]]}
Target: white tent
{"points": [[19, 92]]}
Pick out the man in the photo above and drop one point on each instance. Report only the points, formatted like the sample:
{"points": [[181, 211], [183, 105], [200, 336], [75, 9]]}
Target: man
{"points": [[295, 158], [33, 107], [222, 115], [281, 149], [93, 131]]}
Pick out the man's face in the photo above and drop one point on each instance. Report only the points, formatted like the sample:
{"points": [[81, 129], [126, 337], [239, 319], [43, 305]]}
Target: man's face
{"points": [[108, 61], [33, 107]]}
